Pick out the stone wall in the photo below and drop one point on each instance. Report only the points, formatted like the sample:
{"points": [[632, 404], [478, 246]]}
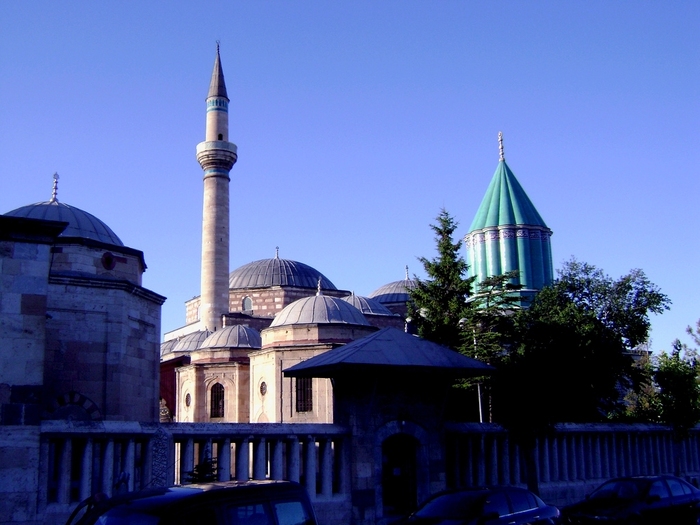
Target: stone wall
{"points": [[102, 343]]}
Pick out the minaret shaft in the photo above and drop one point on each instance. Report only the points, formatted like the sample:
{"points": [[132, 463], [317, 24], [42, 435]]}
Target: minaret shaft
{"points": [[216, 156]]}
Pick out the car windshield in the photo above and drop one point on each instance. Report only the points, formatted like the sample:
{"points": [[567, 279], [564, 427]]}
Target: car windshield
{"points": [[126, 516], [627, 489], [457, 505]]}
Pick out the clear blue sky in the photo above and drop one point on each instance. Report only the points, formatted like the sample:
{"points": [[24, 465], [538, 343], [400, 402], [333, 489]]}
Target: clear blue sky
{"points": [[356, 122]]}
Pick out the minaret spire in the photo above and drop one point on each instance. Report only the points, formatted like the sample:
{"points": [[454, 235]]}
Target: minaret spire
{"points": [[217, 156]]}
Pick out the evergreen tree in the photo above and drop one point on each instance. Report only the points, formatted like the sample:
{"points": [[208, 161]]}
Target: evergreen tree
{"points": [[439, 302]]}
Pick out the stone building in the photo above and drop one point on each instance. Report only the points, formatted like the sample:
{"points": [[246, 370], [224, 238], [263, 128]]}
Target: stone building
{"points": [[261, 295], [304, 329], [99, 327]]}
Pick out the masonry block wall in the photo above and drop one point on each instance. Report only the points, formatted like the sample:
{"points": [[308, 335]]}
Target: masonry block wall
{"points": [[102, 350]]}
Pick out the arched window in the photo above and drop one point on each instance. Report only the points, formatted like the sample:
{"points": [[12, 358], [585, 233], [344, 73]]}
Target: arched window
{"points": [[217, 400], [247, 304]]}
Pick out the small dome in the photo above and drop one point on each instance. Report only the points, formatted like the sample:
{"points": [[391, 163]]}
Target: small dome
{"points": [[367, 305], [185, 344], [319, 309], [81, 224], [278, 272], [235, 336], [396, 292]]}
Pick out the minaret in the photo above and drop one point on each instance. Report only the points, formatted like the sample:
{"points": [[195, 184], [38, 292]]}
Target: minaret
{"points": [[509, 234], [217, 156]]}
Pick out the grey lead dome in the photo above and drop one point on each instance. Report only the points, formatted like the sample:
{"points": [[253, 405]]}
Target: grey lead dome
{"points": [[277, 272], [396, 292], [319, 309], [81, 224]]}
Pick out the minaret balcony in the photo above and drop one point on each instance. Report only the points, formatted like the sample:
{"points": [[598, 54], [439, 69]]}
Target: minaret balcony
{"points": [[217, 154]]}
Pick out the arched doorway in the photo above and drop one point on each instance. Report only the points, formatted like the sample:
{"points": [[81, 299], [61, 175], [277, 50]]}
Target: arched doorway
{"points": [[399, 475]]}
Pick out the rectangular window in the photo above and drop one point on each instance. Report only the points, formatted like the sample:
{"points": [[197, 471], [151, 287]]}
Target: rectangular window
{"points": [[304, 394]]}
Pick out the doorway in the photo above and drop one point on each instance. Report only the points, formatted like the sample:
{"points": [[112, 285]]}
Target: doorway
{"points": [[399, 475]]}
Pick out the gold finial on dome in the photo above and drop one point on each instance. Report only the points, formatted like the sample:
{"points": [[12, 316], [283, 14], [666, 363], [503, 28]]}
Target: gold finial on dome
{"points": [[500, 146], [54, 192]]}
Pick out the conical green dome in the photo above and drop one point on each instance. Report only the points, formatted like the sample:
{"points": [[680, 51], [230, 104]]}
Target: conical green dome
{"points": [[505, 203], [508, 235]]}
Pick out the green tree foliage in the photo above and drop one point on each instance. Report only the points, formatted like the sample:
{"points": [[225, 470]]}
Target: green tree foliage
{"points": [[622, 305], [440, 302], [204, 472], [671, 392], [565, 365], [676, 376], [489, 320]]}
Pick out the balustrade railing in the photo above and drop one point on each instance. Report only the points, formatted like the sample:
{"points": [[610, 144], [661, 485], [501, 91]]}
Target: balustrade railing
{"points": [[80, 459]]}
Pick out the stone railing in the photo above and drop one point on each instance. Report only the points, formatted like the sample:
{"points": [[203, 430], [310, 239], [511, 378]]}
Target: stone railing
{"points": [[79, 459], [571, 460]]}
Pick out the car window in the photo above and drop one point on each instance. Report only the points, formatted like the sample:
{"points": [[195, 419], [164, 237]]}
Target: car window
{"points": [[521, 500], [201, 515], [291, 513], [676, 487], [248, 514], [658, 488], [455, 505], [497, 503]]}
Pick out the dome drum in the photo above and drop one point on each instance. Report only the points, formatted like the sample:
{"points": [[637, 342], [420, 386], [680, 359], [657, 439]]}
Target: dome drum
{"points": [[313, 334]]}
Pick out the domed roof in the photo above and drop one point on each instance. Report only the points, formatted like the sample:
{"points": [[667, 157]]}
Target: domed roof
{"points": [[80, 223], [235, 336], [185, 344], [367, 305], [278, 272], [396, 292], [319, 309]]}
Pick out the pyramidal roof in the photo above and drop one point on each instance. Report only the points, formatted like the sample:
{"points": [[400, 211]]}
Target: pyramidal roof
{"points": [[505, 202], [217, 86]]}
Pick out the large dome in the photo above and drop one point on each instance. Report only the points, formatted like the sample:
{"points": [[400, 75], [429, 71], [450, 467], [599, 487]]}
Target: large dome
{"points": [[319, 309], [396, 292], [81, 224], [278, 272]]}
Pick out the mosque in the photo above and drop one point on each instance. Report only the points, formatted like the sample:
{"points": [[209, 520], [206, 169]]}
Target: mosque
{"points": [[93, 342], [251, 324]]}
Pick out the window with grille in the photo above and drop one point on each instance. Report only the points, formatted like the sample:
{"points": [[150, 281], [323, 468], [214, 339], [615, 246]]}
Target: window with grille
{"points": [[217, 400], [304, 394], [247, 304]]}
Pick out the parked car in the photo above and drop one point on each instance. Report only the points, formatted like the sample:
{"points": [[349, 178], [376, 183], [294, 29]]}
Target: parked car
{"points": [[638, 500], [224, 503], [484, 506]]}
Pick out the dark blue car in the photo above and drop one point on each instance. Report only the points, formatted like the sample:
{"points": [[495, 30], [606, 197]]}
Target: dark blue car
{"points": [[639, 500], [484, 506]]}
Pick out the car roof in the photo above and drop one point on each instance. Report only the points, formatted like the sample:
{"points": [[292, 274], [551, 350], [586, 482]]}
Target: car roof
{"points": [[152, 500]]}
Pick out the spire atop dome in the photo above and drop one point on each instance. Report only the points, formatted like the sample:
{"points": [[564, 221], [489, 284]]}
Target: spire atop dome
{"points": [[502, 156], [407, 272], [277, 252], [217, 87], [318, 287], [54, 192]]}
